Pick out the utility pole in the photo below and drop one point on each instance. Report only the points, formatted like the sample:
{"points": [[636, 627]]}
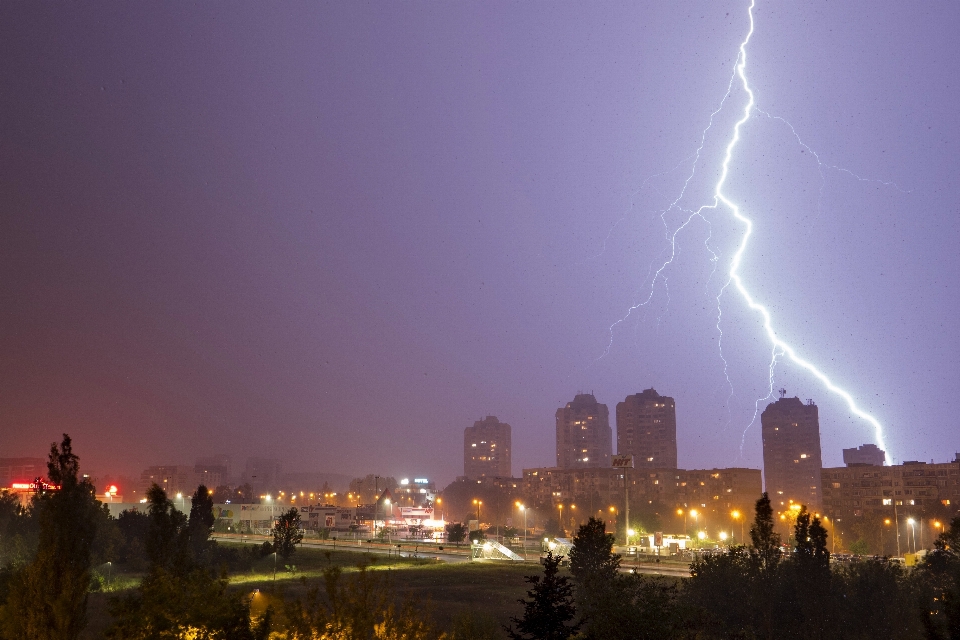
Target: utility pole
{"points": [[896, 521], [626, 507]]}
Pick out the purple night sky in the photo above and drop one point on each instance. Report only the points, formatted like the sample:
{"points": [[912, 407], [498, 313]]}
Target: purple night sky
{"points": [[339, 233]]}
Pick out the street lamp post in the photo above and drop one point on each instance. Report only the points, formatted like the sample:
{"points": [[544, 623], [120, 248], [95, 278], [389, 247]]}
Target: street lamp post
{"points": [[479, 504], [376, 503], [738, 516], [523, 510], [560, 521], [274, 566], [896, 522], [386, 503], [883, 547], [911, 522]]}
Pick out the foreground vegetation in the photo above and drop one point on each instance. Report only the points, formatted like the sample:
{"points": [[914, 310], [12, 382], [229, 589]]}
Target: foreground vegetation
{"points": [[71, 571]]}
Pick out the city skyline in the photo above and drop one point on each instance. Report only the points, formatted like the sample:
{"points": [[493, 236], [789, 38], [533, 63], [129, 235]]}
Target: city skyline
{"points": [[220, 464], [278, 233]]}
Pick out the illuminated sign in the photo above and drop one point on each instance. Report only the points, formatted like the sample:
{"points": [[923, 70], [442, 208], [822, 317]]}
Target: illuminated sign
{"points": [[622, 462]]}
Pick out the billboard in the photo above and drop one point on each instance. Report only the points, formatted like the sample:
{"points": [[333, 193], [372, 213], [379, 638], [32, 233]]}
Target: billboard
{"points": [[622, 462], [416, 515]]}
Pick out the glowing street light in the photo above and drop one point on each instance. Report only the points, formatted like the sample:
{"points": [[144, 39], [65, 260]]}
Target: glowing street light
{"points": [[723, 536], [523, 510], [479, 504], [736, 515]]}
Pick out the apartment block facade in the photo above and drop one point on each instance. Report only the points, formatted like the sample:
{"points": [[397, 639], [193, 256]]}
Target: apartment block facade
{"points": [[860, 490], [584, 436], [647, 430], [791, 453], [486, 449]]}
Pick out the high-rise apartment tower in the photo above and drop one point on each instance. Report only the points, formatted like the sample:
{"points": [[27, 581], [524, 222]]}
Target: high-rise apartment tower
{"points": [[647, 430], [791, 453], [486, 449], [584, 437]]}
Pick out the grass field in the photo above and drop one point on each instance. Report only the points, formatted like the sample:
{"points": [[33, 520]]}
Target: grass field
{"points": [[447, 591]]}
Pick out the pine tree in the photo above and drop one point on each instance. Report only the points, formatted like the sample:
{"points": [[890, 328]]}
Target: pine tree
{"points": [[592, 558], [549, 610], [201, 523], [766, 543], [595, 569]]}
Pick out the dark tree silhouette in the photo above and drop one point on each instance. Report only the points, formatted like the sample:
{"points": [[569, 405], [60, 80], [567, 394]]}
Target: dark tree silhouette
{"points": [[167, 541], [766, 543], [287, 533], [811, 541], [592, 558], [941, 571], [456, 532], [548, 611], [201, 522], [48, 597]]}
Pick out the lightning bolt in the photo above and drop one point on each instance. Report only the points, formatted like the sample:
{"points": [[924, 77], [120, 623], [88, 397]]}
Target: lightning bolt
{"points": [[779, 347], [734, 274]]}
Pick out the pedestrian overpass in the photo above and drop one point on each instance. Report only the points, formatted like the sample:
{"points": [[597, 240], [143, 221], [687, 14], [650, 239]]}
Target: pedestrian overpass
{"points": [[492, 550]]}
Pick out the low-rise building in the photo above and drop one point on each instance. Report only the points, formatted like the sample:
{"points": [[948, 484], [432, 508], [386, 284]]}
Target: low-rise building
{"points": [[860, 490], [172, 478], [712, 494], [21, 470]]}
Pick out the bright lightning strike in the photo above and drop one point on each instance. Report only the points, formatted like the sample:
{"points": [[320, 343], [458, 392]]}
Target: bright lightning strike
{"points": [[778, 344]]}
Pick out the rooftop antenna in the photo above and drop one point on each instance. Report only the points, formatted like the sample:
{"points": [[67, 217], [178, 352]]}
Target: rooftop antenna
{"points": [[783, 393]]}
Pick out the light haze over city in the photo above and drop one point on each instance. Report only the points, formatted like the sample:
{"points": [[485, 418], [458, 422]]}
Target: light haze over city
{"points": [[340, 234]]}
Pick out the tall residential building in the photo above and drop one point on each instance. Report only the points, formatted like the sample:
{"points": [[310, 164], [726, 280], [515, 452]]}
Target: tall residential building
{"points": [[486, 449], [791, 453], [584, 437], [865, 454], [647, 430]]}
